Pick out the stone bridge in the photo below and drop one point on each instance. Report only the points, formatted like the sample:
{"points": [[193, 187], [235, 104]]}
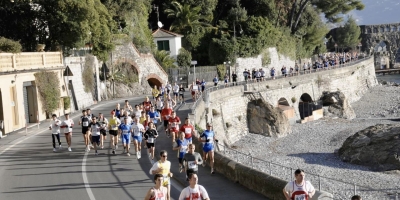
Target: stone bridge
{"points": [[227, 108]]}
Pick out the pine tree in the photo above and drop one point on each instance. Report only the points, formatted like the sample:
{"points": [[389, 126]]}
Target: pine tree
{"points": [[349, 34]]}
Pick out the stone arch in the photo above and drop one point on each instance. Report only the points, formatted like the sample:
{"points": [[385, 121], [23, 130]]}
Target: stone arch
{"points": [[283, 102], [306, 106], [128, 61], [154, 79]]}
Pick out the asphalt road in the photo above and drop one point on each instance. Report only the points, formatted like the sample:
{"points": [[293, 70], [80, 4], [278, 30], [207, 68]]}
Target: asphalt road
{"points": [[30, 170]]}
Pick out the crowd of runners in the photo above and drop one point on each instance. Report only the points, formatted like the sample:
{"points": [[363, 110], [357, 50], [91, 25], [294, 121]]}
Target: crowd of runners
{"points": [[137, 126]]}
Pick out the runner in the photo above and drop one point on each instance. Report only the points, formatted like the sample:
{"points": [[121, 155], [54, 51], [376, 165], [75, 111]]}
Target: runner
{"points": [[67, 124], [162, 90], [191, 160], [181, 93], [84, 122], [299, 188], [182, 146], [154, 116], [169, 88], [142, 117], [170, 102], [90, 115], [208, 138], [104, 125], [55, 130], [147, 105], [175, 90], [118, 111], [158, 192], [159, 104], [165, 115], [155, 92], [138, 130], [215, 80], [174, 123], [95, 127], [150, 136], [194, 89], [194, 191], [126, 130], [203, 85], [163, 167], [137, 111], [188, 130], [113, 125], [128, 108]]}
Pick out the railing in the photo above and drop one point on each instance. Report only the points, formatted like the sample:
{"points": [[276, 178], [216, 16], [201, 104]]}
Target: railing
{"points": [[340, 190], [29, 60]]}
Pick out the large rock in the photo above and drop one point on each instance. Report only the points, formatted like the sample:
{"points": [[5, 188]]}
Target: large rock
{"points": [[376, 146], [133, 89], [267, 120], [338, 105]]}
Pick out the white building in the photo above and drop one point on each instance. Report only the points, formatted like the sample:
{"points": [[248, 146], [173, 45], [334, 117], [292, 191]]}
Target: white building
{"points": [[168, 41]]}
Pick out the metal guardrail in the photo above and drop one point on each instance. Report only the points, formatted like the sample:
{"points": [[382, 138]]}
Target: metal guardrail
{"points": [[347, 189]]}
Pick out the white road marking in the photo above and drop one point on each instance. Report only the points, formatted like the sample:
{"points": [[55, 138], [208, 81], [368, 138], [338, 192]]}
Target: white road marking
{"points": [[85, 179], [13, 145]]}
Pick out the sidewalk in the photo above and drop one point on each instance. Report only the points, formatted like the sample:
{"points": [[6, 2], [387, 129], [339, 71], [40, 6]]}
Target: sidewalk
{"points": [[217, 186]]}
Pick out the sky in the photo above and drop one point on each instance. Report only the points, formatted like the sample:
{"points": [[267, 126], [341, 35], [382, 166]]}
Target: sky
{"points": [[378, 12]]}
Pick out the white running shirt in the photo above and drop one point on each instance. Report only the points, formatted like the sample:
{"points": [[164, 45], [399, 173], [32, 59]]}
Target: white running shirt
{"points": [[196, 193]]}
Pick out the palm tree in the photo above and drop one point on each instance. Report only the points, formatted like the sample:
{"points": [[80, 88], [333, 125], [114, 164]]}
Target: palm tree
{"points": [[187, 18], [115, 74], [164, 59]]}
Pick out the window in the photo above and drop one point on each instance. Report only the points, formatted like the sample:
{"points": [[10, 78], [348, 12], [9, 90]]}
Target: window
{"points": [[163, 45], [382, 30], [387, 29], [376, 30]]}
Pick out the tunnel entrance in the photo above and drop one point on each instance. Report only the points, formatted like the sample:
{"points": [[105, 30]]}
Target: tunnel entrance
{"points": [[154, 79], [305, 106]]}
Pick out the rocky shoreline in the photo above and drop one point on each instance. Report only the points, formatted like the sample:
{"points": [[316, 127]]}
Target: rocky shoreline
{"points": [[313, 147]]}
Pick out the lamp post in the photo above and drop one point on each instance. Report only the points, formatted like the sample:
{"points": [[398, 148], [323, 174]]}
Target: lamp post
{"points": [[194, 63], [228, 69]]}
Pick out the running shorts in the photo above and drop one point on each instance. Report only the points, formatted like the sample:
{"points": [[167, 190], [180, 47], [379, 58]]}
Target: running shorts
{"points": [[193, 92], [85, 130], [113, 132], [149, 145], [103, 132], [175, 94], [208, 148], [165, 123], [96, 139], [126, 138], [138, 138]]}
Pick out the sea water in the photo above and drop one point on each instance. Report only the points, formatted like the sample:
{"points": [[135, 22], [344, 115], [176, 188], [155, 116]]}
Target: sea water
{"points": [[389, 78]]}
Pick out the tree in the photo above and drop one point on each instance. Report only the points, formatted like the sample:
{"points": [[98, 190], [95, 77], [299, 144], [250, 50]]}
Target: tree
{"points": [[331, 9], [48, 86], [115, 75], [349, 34], [164, 59], [9, 46], [184, 58]]}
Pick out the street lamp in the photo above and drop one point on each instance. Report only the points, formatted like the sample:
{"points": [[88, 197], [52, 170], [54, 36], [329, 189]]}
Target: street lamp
{"points": [[228, 68], [194, 63]]}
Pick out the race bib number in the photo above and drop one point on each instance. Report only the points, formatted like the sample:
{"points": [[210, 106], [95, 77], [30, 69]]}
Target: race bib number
{"points": [[195, 196], [184, 148], [114, 126], [125, 132], [300, 197], [192, 165], [85, 123], [160, 195], [173, 124], [150, 140], [167, 117], [188, 130]]}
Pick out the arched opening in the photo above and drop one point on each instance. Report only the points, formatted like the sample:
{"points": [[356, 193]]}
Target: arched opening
{"points": [[283, 104], [306, 106], [154, 79], [381, 55], [124, 72]]}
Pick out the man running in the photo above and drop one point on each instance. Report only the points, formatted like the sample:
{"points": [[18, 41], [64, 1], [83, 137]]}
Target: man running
{"points": [[208, 138], [194, 190], [158, 192], [118, 111], [150, 136], [194, 89], [147, 105], [126, 130], [299, 188], [175, 90], [104, 125], [165, 115], [188, 129], [154, 116], [173, 125], [113, 125], [163, 167], [95, 127], [55, 130], [155, 92], [67, 125], [137, 129], [191, 160], [182, 146], [181, 93], [84, 122]]}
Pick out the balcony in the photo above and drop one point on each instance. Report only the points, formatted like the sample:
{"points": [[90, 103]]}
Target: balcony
{"points": [[11, 62]]}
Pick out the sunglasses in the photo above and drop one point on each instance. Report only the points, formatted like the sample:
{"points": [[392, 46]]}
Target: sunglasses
{"points": [[164, 156]]}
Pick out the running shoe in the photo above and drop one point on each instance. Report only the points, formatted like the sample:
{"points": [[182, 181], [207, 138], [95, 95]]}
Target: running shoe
{"points": [[116, 146], [204, 164], [91, 146], [69, 149], [152, 162], [102, 147], [60, 147], [54, 149], [96, 154], [128, 154], [88, 149], [212, 171], [113, 152], [180, 169], [124, 151]]}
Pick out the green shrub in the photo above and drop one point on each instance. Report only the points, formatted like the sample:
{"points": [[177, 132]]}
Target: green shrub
{"points": [[129, 71], [198, 129], [67, 103], [49, 90], [294, 99], [266, 58], [215, 112], [221, 70], [184, 58], [9, 46], [87, 73]]}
